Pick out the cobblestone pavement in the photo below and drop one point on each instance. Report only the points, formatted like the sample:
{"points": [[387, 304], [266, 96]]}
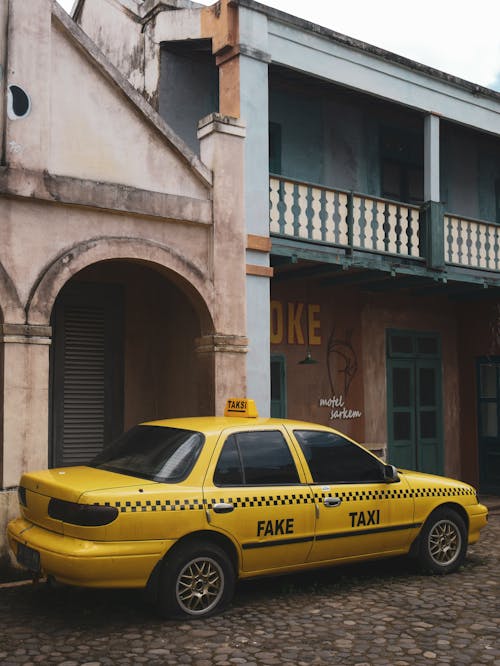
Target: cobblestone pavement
{"points": [[366, 615]]}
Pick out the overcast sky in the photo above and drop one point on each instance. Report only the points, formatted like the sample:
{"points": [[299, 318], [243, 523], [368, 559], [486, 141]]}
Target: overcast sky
{"points": [[459, 38]]}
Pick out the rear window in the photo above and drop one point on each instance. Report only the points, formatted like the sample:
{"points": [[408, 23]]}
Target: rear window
{"points": [[150, 452]]}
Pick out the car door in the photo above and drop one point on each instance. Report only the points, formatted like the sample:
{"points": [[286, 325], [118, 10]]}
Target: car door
{"points": [[359, 513], [255, 491]]}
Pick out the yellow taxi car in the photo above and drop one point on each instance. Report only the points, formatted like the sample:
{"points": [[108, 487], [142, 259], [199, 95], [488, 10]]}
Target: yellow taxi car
{"points": [[186, 506]]}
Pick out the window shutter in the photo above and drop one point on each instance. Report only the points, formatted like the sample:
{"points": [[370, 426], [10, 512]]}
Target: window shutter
{"points": [[87, 372], [84, 384]]}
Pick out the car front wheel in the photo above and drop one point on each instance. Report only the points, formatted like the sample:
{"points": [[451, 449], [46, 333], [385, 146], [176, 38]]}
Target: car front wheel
{"points": [[197, 581], [443, 542]]}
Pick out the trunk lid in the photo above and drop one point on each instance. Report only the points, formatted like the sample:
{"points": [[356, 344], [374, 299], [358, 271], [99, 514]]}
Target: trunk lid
{"points": [[69, 484]]}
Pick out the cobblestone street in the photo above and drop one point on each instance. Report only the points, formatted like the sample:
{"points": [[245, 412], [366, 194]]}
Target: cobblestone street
{"points": [[383, 613]]}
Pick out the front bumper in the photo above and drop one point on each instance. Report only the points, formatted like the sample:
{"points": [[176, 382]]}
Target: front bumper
{"points": [[89, 563], [478, 517]]}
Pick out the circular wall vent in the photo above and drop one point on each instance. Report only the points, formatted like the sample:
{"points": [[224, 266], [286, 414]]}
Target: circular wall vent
{"points": [[18, 103]]}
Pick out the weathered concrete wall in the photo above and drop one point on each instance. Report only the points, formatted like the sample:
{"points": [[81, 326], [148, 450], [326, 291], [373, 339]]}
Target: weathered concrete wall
{"points": [[66, 240], [117, 32], [460, 161], [301, 120], [27, 139], [90, 120], [332, 138], [307, 316], [381, 313], [347, 332], [4, 7], [188, 92]]}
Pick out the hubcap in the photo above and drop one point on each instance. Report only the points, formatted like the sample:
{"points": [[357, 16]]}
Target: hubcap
{"points": [[200, 585], [445, 542]]}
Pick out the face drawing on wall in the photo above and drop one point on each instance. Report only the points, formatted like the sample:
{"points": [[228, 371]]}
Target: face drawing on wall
{"points": [[342, 362]]}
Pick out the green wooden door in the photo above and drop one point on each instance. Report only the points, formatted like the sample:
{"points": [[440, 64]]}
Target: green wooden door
{"points": [[414, 403], [488, 370], [278, 386]]}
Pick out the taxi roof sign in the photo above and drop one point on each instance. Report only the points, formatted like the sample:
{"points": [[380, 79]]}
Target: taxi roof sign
{"points": [[241, 407]]}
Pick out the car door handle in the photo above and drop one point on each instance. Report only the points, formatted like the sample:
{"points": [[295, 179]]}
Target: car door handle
{"points": [[222, 507], [332, 501]]}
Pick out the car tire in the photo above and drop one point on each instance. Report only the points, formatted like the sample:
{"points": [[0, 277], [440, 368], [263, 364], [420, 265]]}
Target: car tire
{"points": [[443, 542], [197, 580]]}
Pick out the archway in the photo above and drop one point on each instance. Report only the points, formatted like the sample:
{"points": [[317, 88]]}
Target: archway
{"points": [[124, 336]]}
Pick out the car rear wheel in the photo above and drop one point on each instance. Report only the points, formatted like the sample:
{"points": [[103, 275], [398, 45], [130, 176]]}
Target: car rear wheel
{"points": [[197, 580], [443, 542]]}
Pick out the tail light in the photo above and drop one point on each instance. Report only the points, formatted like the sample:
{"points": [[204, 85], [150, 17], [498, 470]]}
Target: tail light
{"points": [[88, 515], [21, 495]]}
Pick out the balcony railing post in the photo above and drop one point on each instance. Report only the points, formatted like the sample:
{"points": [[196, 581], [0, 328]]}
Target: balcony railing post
{"points": [[432, 234], [350, 221]]}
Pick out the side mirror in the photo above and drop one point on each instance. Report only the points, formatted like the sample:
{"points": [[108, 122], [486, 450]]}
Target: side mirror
{"points": [[390, 474]]}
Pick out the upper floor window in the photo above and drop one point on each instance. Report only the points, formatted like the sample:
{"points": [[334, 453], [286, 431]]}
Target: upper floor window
{"points": [[256, 458], [402, 171]]}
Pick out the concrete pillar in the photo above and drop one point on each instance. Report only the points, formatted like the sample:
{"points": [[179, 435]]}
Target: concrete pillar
{"points": [[25, 428], [223, 358], [432, 211], [221, 149], [254, 104], [431, 158]]}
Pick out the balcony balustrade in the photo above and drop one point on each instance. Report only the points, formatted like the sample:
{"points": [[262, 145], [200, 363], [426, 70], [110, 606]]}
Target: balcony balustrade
{"points": [[346, 219], [358, 222], [471, 243]]}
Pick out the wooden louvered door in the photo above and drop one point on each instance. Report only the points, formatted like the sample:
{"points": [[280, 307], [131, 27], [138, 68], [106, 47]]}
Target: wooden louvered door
{"points": [[87, 372]]}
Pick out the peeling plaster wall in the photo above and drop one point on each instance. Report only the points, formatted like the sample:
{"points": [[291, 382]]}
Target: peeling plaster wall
{"points": [[4, 8], [95, 134], [118, 35], [381, 313], [33, 235]]}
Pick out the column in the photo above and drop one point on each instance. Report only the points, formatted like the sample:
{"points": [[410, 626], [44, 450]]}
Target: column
{"points": [[432, 211], [254, 59], [221, 148], [25, 425]]}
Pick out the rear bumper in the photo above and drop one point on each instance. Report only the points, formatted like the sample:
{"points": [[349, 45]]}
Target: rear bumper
{"points": [[478, 518], [89, 563]]}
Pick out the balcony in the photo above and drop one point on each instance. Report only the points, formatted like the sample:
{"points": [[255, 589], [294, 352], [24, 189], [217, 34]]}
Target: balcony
{"points": [[471, 243], [371, 229]]}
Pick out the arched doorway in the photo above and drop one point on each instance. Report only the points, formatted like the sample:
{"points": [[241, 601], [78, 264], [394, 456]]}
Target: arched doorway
{"points": [[123, 352]]}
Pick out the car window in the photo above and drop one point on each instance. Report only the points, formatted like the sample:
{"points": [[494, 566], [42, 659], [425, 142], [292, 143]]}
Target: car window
{"points": [[334, 459], [256, 458], [160, 454]]}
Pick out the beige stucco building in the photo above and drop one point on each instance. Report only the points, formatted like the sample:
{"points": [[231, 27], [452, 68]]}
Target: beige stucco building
{"points": [[122, 271]]}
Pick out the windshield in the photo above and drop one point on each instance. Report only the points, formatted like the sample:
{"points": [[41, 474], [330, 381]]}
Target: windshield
{"points": [[150, 452]]}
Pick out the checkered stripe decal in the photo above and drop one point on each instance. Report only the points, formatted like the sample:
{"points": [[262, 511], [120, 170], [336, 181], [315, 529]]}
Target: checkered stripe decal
{"points": [[196, 504], [142, 506], [251, 501], [395, 493]]}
